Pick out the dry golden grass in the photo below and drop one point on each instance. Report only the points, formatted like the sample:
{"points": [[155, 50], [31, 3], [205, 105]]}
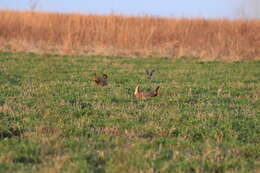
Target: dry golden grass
{"points": [[118, 35]]}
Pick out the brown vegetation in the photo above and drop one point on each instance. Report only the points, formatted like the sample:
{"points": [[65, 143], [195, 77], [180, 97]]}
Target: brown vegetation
{"points": [[118, 35]]}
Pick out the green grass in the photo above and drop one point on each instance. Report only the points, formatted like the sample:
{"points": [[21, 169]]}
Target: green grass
{"points": [[53, 118]]}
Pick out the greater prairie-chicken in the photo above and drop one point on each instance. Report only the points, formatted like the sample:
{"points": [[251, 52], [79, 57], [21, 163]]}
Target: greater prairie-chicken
{"points": [[149, 74], [145, 94], [102, 81]]}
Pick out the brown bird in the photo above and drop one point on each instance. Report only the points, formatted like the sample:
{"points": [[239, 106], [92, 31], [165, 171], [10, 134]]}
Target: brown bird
{"points": [[145, 94], [100, 80], [149, 73]]}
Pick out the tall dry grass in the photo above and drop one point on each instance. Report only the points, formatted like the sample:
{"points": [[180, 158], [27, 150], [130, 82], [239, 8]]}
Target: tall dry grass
{"points": [[118, 35]]}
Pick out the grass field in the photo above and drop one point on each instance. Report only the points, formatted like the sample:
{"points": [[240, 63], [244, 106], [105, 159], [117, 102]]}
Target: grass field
{"points": [[53, 118]]}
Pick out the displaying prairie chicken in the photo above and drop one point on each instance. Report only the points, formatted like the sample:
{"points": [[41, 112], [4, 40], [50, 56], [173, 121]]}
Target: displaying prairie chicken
{"points": [[102, 81], [145, 94], [149, 74]]}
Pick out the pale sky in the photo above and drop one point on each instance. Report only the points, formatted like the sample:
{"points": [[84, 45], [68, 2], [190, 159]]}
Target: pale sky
{"points": [[171, 8]]}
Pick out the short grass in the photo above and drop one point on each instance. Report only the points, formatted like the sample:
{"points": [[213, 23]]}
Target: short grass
{"points": [[53, 118]]}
